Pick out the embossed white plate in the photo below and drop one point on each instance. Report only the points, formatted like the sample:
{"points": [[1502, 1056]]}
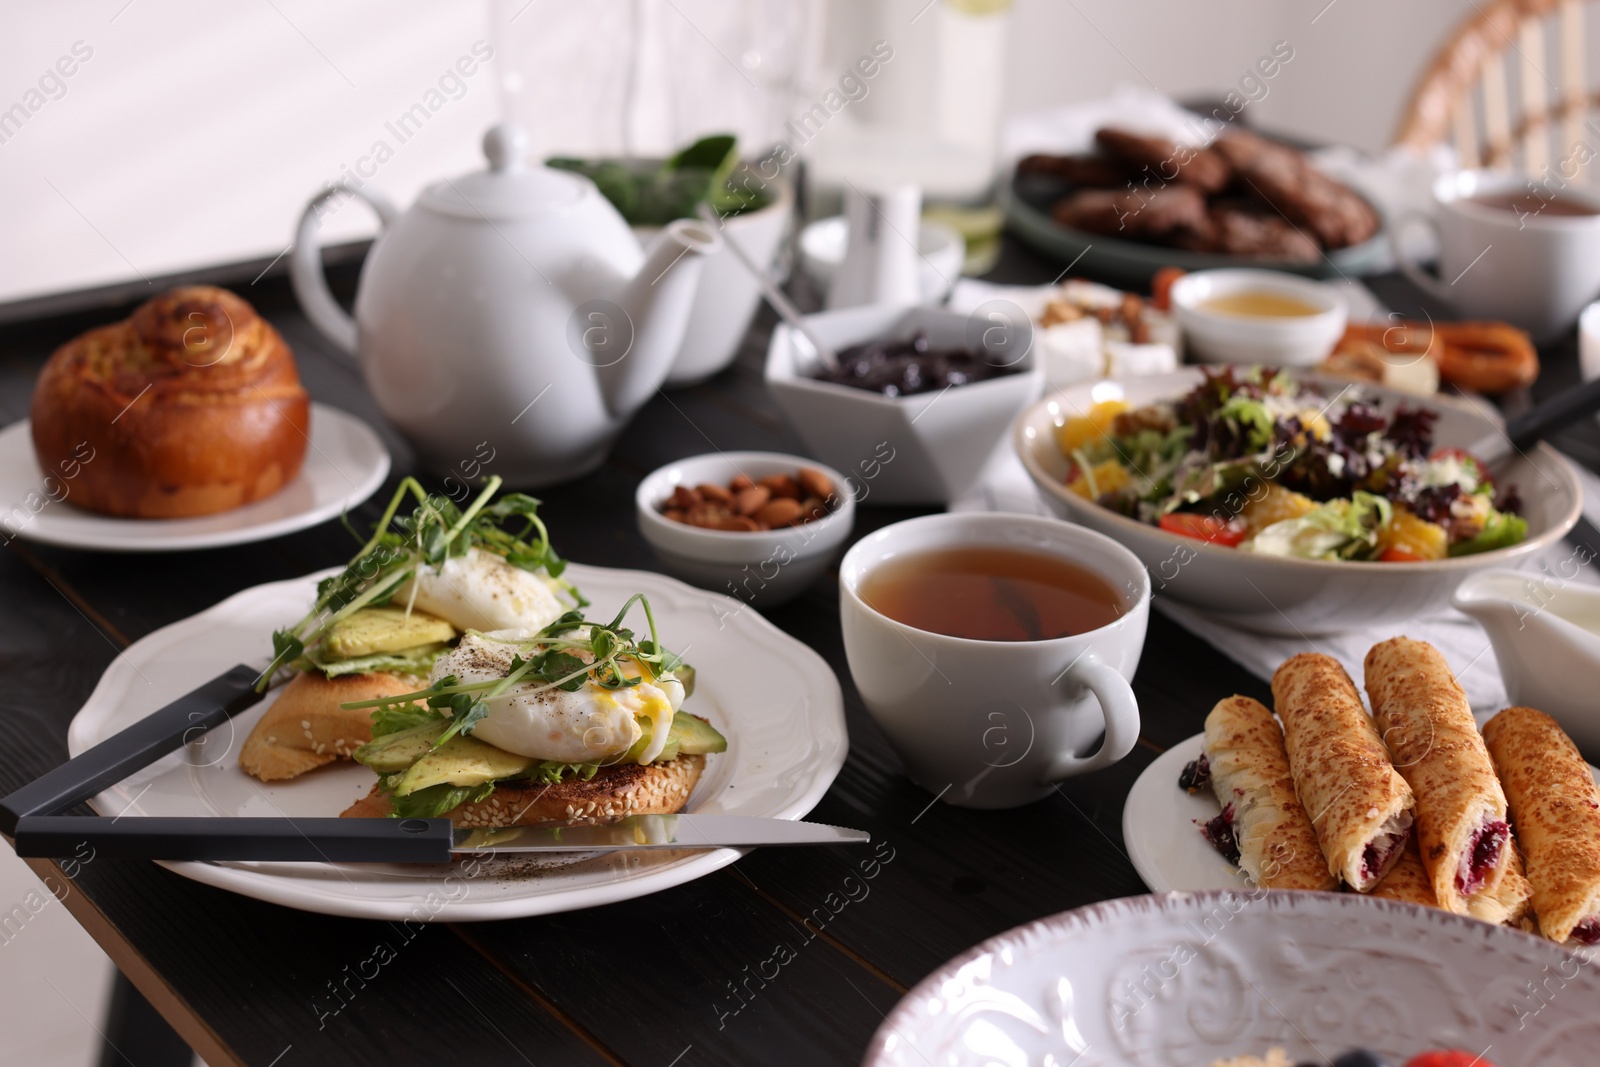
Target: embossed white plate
{"points": [[777, 702], [1160, 832], [1182, 979], [345, 463]]}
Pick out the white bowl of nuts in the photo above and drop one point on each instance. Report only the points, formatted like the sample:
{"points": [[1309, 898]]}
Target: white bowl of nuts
{"points": [[758, 526]]}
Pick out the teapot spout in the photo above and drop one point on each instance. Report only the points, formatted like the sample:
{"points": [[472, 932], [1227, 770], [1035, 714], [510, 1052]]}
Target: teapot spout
{"points": [[655, 306]]}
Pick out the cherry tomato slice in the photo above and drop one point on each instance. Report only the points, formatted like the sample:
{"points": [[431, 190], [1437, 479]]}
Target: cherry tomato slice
{"points": [[1447, 1058], [1394, 554], [1206, 528]]}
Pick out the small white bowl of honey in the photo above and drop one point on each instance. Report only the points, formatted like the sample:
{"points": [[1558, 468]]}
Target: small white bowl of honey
{"points": [[1258, 316]]}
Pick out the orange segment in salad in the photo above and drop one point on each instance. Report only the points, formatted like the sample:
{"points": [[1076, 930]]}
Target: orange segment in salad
{"points": [[1088, 428]]}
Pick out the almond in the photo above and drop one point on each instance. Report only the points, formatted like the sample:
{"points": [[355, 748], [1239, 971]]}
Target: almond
{"points": [[740, 482], [815, 483], [714, 493], [737, 523], [782, 485], [751, 499], [684, 498], [707, 515], [779, 512]]}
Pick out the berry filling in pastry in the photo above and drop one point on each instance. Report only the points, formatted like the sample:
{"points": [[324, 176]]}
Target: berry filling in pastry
{"points": [[1220, 832], [1384, 849], [1482, 856], [1196, 775], [1588, 931]]}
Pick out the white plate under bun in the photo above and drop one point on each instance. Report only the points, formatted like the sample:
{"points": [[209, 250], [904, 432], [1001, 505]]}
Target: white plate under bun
{"points": [[345, 464], [1295, 341]]}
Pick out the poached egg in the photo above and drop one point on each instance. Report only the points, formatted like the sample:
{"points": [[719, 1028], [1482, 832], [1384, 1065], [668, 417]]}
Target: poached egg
{"points": [[481, 591], [589, 725]]}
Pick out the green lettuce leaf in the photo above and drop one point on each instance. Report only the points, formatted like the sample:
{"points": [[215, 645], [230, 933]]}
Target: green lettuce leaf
{"points": [[1502, 530], [1339, 529], [436, 800], [397, 717]]}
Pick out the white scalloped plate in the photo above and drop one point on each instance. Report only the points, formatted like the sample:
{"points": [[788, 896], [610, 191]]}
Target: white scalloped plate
{"points": [[776, 700], [1187, 978], [345, 463], [1160, 832]]}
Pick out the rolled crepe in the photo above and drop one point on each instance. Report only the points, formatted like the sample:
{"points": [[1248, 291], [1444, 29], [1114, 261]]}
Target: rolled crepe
{"points": [[1276, 845], [1358, 804], [1434, 743], [1511, 902], [1508, 904], [1555, 808], [1407, 880]]}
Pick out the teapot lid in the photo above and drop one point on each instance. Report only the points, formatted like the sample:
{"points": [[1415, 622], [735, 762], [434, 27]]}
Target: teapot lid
{"points": [[510, 188]]}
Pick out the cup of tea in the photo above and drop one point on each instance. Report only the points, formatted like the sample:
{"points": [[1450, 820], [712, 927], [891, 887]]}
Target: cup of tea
{"points": [[1510, 248], [995, 649]]}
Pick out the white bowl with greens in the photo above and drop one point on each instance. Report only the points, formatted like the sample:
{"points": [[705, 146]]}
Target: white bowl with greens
{"points": [[754, 211], [1228, 529]]}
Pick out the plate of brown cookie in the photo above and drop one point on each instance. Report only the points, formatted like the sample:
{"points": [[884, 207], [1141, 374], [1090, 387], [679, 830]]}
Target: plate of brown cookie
{"points": [[1141, 202]]}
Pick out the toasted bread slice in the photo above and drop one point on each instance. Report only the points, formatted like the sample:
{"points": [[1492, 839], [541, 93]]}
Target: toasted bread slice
{"points": [[305, 727], [626, 789]]}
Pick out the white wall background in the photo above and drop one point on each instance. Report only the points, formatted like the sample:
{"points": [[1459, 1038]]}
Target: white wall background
{"points": [[196, 130]]}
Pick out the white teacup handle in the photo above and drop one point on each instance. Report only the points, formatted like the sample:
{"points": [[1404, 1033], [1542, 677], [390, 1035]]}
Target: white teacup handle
{"points": [[305, 266], [1409, 267], [1117, 704]]}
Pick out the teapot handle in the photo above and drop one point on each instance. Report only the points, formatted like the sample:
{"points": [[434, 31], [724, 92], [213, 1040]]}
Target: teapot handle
{"points": [[305, 266]]}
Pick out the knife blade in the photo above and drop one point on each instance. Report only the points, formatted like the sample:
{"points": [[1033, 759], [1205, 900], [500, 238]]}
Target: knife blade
{"points": [[645, 832], [30, 815]]}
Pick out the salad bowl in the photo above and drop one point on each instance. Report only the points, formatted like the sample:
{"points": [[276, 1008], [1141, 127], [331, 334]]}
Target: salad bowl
{"points": [[1283, 593]]}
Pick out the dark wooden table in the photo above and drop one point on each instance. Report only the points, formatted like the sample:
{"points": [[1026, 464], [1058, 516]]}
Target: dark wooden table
{"points": [[685, 977]]}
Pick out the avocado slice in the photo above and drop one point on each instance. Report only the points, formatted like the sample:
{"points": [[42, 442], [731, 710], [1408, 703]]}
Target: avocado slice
{"points": [[464, 761], [386, 629], [695, 736], [399, 750], [689, 735]]}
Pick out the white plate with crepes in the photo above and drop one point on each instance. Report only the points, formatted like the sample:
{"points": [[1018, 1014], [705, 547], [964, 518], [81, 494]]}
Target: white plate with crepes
{"points": [[777, 702], [1190, 978], [1161, 827], [345, 463]]}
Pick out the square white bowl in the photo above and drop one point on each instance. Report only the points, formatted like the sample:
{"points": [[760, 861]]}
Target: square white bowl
{"points": [[924, 449]]}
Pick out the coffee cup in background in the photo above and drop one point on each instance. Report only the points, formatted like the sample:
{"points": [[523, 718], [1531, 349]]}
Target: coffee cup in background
{"points": [[1509, 249], [994, 649]]}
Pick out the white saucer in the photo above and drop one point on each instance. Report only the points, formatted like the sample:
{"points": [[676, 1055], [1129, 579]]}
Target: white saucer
{"points": [[344, 465], [1159, 827]]}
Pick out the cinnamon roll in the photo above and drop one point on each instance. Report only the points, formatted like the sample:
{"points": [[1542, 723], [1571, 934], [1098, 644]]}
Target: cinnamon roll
{"points": [[190, 406]]}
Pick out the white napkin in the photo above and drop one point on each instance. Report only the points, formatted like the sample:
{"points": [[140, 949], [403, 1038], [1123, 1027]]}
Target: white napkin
{"points": [[1006, 486]]}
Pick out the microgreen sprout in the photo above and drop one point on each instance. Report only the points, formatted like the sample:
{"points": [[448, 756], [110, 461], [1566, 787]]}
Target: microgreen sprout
{"points": [[564, 655], [400, 545]]}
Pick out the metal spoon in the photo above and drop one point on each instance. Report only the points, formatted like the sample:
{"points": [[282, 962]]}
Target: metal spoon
{"points": [[775, 296]]}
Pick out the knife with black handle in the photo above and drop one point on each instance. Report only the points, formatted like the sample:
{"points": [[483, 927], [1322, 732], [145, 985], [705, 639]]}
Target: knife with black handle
{"points": [[31, 815]]}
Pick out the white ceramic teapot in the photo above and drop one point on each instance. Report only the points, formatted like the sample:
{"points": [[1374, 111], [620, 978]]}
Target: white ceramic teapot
{"points": [[509, 310]]}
